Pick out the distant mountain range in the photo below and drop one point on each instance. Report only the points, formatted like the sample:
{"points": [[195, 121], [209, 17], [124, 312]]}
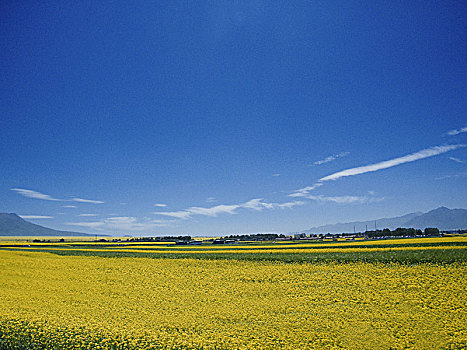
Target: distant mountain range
{"points": [[443, 218], [13, 225]]}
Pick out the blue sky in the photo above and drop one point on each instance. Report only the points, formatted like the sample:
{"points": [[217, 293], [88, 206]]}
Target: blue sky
{"points": [[224, 117]]}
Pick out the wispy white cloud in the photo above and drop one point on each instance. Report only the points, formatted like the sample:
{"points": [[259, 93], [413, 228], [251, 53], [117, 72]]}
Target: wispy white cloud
{"points": [[255, 204], [125, 223], [213, 211], [288, 204], [456, 131], [258, 204], [81, 200], [429, 152], [181, 214], [36, 217], [275, 175], [331, 158], [38, 195], [89, 215], [87, 224], [161, 205], [452, 176], [118, 220], [457, 160], [211, 200], [303, 192], [34, 194], [345, 199]]}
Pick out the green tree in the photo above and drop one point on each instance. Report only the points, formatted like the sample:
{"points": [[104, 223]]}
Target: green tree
{"points": [[431, 231]]}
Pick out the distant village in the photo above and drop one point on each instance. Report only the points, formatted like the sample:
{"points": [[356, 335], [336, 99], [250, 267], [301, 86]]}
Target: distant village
{"points": [[299, 236], [274, 237]]}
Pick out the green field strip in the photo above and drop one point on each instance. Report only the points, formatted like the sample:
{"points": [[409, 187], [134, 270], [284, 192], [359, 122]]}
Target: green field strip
{"points": [[391, 256]]}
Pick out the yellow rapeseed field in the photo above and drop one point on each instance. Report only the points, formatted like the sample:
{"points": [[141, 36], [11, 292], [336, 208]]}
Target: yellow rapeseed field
{"points": [[239, 250], [72, 302], [243, 245]]}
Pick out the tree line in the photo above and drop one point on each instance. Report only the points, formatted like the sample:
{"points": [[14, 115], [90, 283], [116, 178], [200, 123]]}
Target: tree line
{"points": [[403, 232]]}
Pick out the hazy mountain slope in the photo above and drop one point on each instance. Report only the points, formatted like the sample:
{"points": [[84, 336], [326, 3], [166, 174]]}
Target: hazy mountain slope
{"points": [[442, 218], [381, 223], [13, 225]]}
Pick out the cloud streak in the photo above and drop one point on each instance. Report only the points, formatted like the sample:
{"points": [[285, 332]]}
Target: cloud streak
{"points": [[38, 195], [34, 194], [425, 153], [452, 176], [81, 200], [124, 223], [255, 204], [456, 131], [331, 158], [457, 160], [303, 192], [36, 217], [345, 199]]}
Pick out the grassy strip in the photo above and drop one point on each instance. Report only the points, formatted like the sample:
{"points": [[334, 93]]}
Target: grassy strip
{"points": [[252, 251], [292, 246], [402, 256], [239, 246]]}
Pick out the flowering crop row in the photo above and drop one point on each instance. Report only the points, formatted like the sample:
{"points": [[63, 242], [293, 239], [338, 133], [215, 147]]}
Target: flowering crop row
{"points": [[239, 250], [75, 302]]}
